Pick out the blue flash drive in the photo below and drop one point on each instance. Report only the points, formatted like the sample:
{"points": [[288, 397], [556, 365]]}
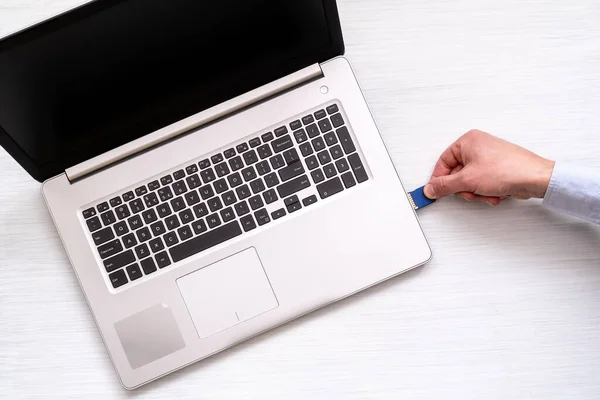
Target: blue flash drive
{"points": [[418, 199]]}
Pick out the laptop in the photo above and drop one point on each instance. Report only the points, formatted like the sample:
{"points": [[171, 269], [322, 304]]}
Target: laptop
{"points": [[212, 168]]}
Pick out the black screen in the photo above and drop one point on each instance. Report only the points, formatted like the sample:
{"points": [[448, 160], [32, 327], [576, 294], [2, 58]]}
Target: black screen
{"points": [[108, 73]]}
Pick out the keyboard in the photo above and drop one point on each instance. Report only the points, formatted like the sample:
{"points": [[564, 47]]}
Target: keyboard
{"points": [[218, 198]]}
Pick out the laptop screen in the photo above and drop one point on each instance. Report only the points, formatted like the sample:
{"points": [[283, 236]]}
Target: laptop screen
{"points": [[112, 71]]}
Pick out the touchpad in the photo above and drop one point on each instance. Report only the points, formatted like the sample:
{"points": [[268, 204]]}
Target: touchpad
{"points": [[227, 293]]}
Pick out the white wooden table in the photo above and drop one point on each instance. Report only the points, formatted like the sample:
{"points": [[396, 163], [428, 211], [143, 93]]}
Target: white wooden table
{"points": [[509, 308]]}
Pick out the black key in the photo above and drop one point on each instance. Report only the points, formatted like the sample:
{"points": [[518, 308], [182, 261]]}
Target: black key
{"points": [[293, 186], [179, 187], [332, 109], [281, 144], [342, 165], [278, 214], [115, 201], [158, 228], [90, 212], [136, 205], [207, 175], [162, 259], [193, 181], [214, 204], [166, 180], [358, 168], [242, 147], [102, 207], [122, 211], [121, 228], [153, 185], [262, 217], [148, 266], [317, 176], [281, 131], [118, 279], [249, 173], [164, 210], [294, 207], [336, 152], [234, 180], [156, 245], [199, 226], [294, 125], [222, 169], [129, 240], [206, 192], [257, 186], [134, 272], [346, 140], [264, 151], [330, 187], [312, 162], [306, 149], [179, 174], [242, 208], [185, 233], [172, 222], [290, 172], [324, 157], [229, 153], [263, 168], [142, 251], [318, 144], [337, 120], [135, 222], [119, 261], [204, 163], [186, 216], [227, 214], [270, 196], [320, 114], [128, 196], [206, 241], [213, 220], [108, 218], [348, 180], [192, 169], [93, 224], [290, 156], [229, 198], [277, 161], [330, 138], [325, 125], [254, 142], [171, 239], [236, 163], [301, 136], [103, 236], [165, 193], [291, 200], [309, 200], [110, 249], [248, 223], [151, 199], [256, 202], [217, 158], [192, 198], [329, 170], [313, 131], [178, 204], [221, 186], [267, 137], [200, 210], [271, 180], [308, 120]]}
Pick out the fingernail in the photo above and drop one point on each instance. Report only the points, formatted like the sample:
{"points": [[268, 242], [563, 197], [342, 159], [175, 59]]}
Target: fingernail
{"points": [[428, 191], [490, 203]]}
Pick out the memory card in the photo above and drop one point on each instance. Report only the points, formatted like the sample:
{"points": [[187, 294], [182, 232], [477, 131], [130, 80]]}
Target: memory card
{"points": [[418, 199]]}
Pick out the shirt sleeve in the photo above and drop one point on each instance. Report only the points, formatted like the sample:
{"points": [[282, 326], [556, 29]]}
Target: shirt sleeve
{"points": [[574, 191]]}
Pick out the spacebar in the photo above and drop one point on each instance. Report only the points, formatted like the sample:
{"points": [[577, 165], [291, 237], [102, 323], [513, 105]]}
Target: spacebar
{"points": [[206, 241]]}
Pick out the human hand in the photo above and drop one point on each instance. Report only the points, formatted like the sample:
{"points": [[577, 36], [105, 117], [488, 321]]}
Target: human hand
{"points": [[479, 166]]}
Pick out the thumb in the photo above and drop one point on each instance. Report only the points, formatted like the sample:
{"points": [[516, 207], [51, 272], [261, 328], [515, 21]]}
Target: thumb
{"points": [[443, 186]]}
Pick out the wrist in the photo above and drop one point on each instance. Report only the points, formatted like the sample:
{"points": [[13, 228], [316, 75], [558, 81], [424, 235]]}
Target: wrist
{"points": [[541, 178]]}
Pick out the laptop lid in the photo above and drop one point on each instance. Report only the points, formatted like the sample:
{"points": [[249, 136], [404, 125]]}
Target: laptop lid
{"points": [[111, 71]]}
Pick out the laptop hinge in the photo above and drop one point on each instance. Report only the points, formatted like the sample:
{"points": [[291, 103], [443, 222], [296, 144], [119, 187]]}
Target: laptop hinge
{"points": [[236, 104]]}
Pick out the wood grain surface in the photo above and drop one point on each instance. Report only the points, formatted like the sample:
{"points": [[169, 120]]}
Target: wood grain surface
{"points": [[509, 308]]}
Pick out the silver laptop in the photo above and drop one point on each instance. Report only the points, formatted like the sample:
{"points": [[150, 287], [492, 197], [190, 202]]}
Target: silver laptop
{"points": [[212, 169]]}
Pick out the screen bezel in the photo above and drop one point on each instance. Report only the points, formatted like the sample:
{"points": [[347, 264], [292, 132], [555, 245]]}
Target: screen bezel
{"points": [[41, 172]]}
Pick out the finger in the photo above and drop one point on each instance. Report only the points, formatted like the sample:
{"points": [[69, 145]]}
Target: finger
{"points": [[443, 186], [492, 201], [468, 196], [449, 160]]}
